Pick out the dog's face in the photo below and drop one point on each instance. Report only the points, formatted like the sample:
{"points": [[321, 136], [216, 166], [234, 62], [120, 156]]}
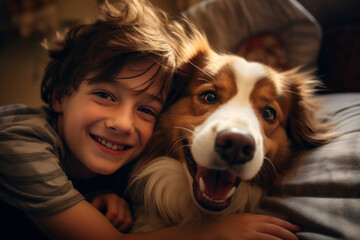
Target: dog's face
{"points": [[234, 121]]}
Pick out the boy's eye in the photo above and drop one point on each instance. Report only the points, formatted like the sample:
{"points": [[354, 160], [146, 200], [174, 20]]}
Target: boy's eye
{"points": [[147, 111], [104, 95]]}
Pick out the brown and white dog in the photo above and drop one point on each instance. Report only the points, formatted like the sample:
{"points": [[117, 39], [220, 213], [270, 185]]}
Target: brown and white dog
{"points": [[234, 128]]}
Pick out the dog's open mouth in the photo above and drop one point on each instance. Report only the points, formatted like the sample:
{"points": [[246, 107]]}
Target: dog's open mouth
{"points": [[212, 188]]}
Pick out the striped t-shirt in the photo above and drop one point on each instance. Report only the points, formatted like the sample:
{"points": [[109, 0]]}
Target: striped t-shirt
{"points": [[31, 176]]}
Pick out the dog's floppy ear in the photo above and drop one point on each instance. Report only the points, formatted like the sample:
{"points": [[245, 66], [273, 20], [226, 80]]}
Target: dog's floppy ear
{"points": [[306, 125]]}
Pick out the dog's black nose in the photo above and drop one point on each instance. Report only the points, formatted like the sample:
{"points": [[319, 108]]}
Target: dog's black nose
{"points": [[235, 146]]}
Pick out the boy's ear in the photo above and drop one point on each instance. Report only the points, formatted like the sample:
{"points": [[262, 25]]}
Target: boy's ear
{"points": [[57, 103]]}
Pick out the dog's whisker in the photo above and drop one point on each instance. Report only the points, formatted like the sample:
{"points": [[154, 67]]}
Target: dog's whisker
{"points": [[172, 150], [176, 141], [203, 79], [289, 91], [272, 164], [180, 147], [186, 129], [201, 70]]}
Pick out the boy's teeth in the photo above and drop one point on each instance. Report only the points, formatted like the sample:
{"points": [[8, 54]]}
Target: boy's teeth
{"points": [[109, 145]]}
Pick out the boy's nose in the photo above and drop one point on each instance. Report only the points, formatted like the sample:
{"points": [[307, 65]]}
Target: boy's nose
{"points": [[121, 120]]}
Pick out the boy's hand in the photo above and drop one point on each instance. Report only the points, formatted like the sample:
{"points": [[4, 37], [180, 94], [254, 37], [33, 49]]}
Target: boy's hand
{"points": [[115, 209], [251, 226]]}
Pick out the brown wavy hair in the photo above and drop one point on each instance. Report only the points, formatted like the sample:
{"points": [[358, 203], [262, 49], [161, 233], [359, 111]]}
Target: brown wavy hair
{"points": [[123, 31]]}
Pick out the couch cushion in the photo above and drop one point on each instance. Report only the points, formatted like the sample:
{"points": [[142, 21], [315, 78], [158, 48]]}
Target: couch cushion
{"points": [[230, 23], [322, 192]]}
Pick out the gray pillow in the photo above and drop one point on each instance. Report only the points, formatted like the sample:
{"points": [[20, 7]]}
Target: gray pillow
{"points": [[229, 23], [322, 192]]}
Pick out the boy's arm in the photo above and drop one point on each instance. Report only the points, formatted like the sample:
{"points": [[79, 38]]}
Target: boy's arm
{"points": [[83, 221], [115, 209]]}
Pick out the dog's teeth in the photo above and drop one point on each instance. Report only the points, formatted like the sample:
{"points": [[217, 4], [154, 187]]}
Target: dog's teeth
{"points": [[213, 200], [202, 184], [230, 193], [202, 189]]}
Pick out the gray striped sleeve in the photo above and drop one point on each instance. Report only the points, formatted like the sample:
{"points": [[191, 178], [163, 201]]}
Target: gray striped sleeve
{"points": [[31, 177]]}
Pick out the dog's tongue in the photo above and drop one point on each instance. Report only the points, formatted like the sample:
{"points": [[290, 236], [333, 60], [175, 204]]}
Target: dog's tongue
{"points": [[217, 183]]}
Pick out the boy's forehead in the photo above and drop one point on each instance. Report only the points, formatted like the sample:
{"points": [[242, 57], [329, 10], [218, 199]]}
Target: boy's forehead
{"points": [[138, 74], [138, 67]]}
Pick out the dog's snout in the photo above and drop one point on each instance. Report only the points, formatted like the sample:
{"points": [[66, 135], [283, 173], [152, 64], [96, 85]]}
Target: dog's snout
{"points": [[234, 146]]}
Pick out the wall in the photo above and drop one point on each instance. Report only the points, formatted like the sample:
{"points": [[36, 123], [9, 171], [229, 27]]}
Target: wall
{"points": [[23, 60]]}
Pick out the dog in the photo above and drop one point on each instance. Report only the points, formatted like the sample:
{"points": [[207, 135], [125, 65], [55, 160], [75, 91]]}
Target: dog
{"points": [[234, 128]]}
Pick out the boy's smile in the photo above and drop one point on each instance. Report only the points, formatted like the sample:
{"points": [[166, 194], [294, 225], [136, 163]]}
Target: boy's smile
{"points": [[115, 147], [107, 124]]}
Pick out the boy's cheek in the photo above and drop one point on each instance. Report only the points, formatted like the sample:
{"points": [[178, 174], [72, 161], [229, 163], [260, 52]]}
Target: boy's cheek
{"points": [[147, 134]]}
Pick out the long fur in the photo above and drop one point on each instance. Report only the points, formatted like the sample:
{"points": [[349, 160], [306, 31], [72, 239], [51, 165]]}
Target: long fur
{"points": [[163, 183]]}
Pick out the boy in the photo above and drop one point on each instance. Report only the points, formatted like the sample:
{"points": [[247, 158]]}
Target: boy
{"points": [[104, 87]]}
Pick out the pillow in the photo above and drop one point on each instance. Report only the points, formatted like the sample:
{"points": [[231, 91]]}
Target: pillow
{"points": [[228, 24], [265, 48], [321, 192]]}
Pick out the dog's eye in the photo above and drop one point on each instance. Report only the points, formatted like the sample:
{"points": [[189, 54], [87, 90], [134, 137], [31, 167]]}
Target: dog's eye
{"points": [[269, 114], [208, 97]]}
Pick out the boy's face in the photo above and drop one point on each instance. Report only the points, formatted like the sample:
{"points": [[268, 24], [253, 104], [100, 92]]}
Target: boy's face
{"points": [[106, 125]]}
